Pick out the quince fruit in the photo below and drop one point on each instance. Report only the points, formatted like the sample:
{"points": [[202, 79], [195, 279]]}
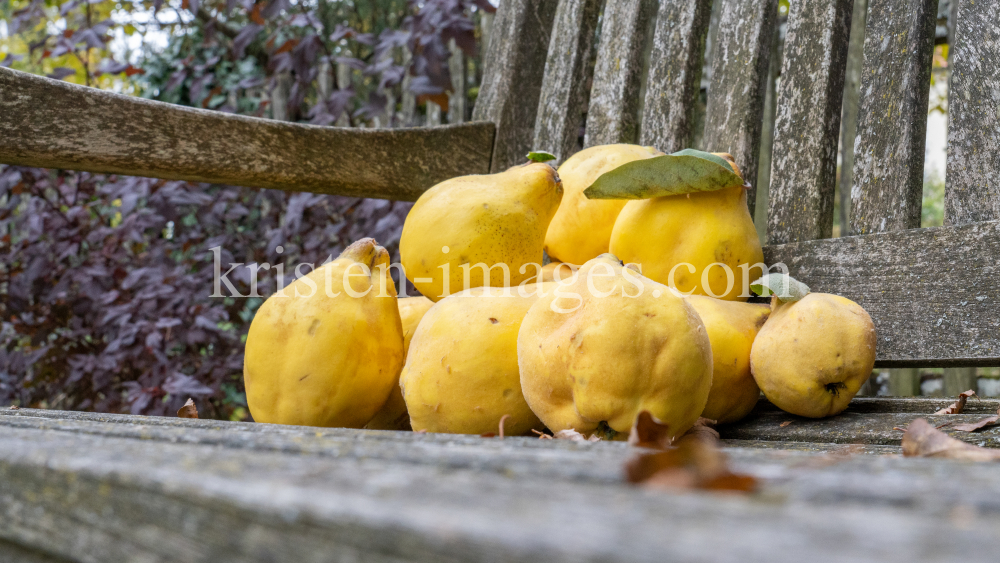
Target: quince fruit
{"points": [[581, 228], [610, 345], [464, 232], [326, 349], [732, 327], [813, 355], [687, 240], [393, 415], [461, 374]]}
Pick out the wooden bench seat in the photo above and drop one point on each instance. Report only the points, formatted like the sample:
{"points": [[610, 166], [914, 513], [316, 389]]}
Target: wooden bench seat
{"points": [[93, 487], [99, 487]]}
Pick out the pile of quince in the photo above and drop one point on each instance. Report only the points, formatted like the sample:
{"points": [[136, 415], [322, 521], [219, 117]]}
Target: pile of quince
{"points": [[643, 307]]}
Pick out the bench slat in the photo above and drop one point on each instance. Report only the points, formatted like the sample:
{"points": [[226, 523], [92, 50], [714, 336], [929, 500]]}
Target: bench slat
{"points": [[514, 65], [567, 73], [973, 176], [614, 97], [675, 74], [740, 58], [852, 428], [932, 293], [807, 126], [85, 495], [81, 128], [892, 123]]}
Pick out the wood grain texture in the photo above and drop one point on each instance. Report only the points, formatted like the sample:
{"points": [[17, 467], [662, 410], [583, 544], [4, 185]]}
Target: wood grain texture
{"points": [[973, 175], [674, 77], [852, 428], [807, 125], [87, 129], [892, 122], [568, 72], [82, 490], [514, 65], [614, 98], [740, 59], [932, 293]]}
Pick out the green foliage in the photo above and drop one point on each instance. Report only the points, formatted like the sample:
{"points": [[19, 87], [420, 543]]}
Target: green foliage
{"points": [[932, 208]]}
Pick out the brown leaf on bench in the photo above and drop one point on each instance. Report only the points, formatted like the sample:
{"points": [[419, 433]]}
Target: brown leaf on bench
{"points": [[648, 432], [979, 424], [923, 440], [696, 462], [958, 406], [188, 410]]}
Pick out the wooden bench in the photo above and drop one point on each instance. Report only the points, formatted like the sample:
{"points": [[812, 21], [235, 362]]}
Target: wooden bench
{"points": [[97, 487]]}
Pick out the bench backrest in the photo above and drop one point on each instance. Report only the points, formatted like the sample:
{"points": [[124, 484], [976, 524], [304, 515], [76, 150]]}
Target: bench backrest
{"points": [[932, 292]]}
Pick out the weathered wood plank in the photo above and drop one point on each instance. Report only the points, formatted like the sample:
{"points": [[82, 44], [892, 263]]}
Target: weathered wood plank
{"points": [[892, 405], [675, 74], [852, 428], [526, 457], [89, 497], [892, 126], [932, 293], [814, 447], [568, 71], [807, 125], [87, 129], [973, 174], [614, 98], [514, 65], [740, 59]]}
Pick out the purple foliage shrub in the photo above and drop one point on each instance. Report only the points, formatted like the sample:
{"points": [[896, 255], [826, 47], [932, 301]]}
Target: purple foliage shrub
{"points": [[106, 281]]}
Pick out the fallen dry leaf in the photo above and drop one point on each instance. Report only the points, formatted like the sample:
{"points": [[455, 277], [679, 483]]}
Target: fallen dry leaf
{"points": [[15, 408], [785, 423], [696, 462], [648, 432], [188, 410], [980, 424], [958, 406], [923, 440]]}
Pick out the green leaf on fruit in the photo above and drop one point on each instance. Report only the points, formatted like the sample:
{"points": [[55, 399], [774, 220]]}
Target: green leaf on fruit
{"points": [[684, 172], [784, 286], [540, 156]]}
